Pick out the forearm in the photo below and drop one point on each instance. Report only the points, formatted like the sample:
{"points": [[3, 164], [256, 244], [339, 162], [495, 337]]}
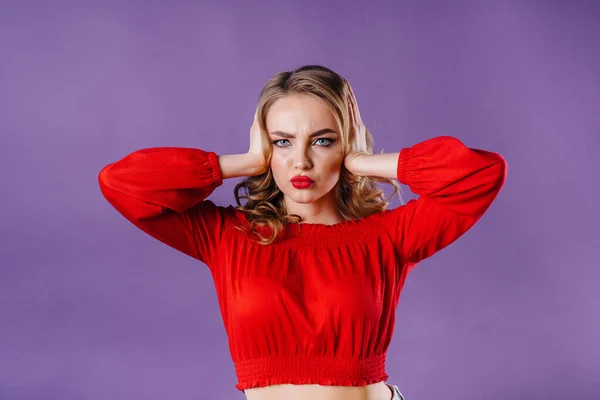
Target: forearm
{"points": [[462, 179], [236, 165], [147, 181], [380, 165]]}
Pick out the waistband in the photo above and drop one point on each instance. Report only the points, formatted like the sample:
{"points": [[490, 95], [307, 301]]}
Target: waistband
{"points": [[306, 369]]}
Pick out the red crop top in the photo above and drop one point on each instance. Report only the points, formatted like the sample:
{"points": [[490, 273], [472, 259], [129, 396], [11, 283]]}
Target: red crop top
{"points": [[318, 306]]}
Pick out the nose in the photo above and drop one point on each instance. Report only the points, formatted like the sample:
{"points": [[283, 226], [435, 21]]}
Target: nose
{"points": [[301, 159]]}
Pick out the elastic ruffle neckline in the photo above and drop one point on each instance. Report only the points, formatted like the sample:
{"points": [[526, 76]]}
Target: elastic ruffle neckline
{"points": [[310, 233]]}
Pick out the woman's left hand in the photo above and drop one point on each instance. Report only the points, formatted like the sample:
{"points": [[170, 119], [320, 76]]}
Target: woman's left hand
{"points": [[358, 135]]}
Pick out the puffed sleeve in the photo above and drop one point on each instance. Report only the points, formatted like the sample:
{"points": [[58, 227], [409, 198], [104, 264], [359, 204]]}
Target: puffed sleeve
{"points": [[456, 185], [162, 191]]}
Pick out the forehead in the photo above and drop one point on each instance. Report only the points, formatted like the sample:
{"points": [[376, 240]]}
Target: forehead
{"points": [[299, 113]]}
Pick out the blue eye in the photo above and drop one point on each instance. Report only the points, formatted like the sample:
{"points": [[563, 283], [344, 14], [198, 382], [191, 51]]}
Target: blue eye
{"points": [[328, 143], [275, 142]]}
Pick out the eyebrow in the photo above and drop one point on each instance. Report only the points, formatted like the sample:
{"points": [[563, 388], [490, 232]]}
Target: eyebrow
{"points": [[290, 136]]}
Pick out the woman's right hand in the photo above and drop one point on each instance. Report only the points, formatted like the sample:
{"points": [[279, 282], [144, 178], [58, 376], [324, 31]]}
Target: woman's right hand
{"points": [[259, 146]]}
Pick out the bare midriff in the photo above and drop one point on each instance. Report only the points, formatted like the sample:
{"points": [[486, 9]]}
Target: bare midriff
{"points": [[376, 391]]}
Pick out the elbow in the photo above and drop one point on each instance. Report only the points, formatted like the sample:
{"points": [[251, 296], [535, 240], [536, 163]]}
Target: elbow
{"points": [[497, 178], [105, 177], [486, 192], [109, 183], [500, 169]]}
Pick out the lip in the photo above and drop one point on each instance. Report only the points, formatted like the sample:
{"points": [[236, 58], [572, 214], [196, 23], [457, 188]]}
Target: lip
{"points": [[301, 182], [302, 179]]}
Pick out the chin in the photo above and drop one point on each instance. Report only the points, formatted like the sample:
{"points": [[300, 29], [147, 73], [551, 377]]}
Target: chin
{"points": [[303, 198]]}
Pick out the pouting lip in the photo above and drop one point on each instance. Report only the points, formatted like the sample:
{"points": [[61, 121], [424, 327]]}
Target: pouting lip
{"points": [[301, 178]]}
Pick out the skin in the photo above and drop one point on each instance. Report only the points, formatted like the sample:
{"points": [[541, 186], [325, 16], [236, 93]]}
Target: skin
{"points": [[290, 123]]}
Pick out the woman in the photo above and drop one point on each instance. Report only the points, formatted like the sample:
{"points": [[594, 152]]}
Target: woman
{"points": [[308, 272]]}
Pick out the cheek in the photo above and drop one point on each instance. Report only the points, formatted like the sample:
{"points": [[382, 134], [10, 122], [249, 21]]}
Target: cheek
{"points": [[279, 158], [334, 173], [333, 164], [330, 171], [278, 168]]}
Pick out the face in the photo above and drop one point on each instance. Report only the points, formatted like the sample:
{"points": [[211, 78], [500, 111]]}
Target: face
{"points": [[306, 142]]}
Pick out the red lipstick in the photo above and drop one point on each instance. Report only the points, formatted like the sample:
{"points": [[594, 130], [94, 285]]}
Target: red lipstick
{"points": [[301, 182]]}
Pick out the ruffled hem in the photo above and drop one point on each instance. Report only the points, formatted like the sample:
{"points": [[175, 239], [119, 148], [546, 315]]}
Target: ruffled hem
{"points": [[310, 381], [310, 369]]}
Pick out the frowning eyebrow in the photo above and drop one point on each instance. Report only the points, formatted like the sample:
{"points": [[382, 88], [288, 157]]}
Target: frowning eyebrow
{"points": [[290, 136]]}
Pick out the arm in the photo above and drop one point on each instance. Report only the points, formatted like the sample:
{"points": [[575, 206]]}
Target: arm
{"points": [[456, 185], [162, 191]]}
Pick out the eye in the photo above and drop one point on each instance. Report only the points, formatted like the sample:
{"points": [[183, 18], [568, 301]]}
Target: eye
{"points": [[276, 142], [328, 142], [322, 142]]}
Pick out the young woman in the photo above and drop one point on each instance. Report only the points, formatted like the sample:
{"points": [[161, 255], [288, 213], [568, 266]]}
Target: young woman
{"points": [[308, 272]]}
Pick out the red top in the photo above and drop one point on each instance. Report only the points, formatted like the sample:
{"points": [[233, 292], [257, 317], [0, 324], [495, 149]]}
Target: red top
{"points": [[318, 306]]}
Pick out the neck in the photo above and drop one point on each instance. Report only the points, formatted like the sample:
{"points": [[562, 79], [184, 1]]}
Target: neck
{"points": [[324, 211]]}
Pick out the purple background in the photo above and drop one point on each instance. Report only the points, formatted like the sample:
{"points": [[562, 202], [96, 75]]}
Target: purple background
{"points": [[91, 308]]}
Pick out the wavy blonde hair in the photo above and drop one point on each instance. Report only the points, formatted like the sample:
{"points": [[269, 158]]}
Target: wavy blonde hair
{"points": [[357, 196]]}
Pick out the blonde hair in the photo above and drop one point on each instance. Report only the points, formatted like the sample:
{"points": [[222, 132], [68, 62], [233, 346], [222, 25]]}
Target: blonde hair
{"points": [[357, 196]]}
